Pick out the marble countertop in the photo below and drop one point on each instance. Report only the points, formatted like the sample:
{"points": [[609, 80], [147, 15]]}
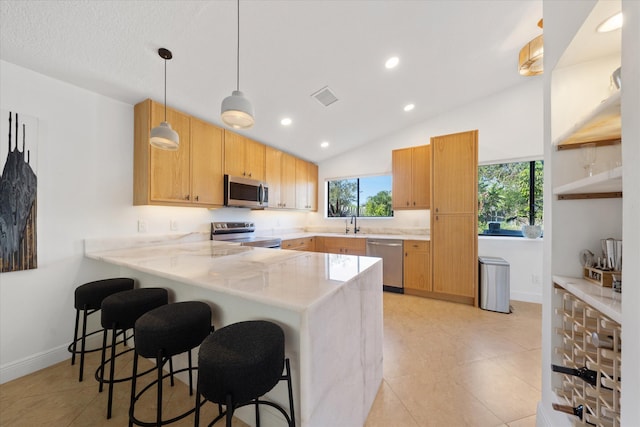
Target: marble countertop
{"points": [[602, 299], [290, 279]]}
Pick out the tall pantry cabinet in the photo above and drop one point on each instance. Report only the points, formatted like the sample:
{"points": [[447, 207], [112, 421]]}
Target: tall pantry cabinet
{"points": [[454, 228]]}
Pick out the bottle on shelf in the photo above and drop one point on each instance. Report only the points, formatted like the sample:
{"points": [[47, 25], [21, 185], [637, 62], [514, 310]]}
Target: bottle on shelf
{"points": [[578, 411], [587, 375], [602, 340]]}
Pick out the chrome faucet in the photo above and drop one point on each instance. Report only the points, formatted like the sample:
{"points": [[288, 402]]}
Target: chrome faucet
{"points": [[354, 221], [346, 226]]}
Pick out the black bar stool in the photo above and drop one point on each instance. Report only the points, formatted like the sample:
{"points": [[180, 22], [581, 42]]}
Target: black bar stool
{"points": [[88, 299], [240, 363], [119, 313], [164, 332]]}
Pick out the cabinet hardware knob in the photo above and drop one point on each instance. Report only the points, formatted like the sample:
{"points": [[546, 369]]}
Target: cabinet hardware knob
{"points": [[249, 174]]}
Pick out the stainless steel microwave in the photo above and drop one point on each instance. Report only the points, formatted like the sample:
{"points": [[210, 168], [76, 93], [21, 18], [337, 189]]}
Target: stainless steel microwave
{"points": [[245, 192]]}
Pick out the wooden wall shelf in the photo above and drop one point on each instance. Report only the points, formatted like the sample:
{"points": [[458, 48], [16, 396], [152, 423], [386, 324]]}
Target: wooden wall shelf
{"points": [[602, 126], [606, 184]]}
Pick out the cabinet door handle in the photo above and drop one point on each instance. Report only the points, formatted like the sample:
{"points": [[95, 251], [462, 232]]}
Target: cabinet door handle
{"points": [[407, 203], [249, 174], [436, 209], [436, 217], [197, 198], [187, 197]]}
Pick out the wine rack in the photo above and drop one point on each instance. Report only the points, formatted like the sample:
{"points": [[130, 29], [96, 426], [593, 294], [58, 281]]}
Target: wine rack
{"points": [[577, 349]]}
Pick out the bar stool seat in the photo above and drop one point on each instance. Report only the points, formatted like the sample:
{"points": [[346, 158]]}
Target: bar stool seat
{"points": [[119, 313], [240, 363], [88, 300], [164, 332]]}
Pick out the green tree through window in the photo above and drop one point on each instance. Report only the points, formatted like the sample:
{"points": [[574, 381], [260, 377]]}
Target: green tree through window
{"points": [[363, 197], [509, 196]]}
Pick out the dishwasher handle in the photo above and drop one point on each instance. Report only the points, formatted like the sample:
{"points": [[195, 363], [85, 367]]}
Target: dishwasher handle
{"points": [[384, 244]]}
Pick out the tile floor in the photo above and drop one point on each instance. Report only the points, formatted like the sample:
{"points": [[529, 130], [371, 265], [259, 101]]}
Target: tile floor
{"points": [[445, 364]]}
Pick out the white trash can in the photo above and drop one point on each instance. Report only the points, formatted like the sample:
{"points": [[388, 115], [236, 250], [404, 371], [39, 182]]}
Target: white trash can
{"points": [[494, 284]]}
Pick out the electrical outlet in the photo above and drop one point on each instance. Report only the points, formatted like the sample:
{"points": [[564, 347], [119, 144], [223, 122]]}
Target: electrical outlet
{"points": [[142, 226], [173, 225]]}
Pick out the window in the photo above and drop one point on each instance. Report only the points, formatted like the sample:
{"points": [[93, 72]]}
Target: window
{"points": [[362, 197], [509, 196]]}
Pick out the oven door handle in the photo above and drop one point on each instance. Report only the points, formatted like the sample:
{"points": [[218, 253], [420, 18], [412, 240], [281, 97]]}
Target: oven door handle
{"points": [[261, 194]]}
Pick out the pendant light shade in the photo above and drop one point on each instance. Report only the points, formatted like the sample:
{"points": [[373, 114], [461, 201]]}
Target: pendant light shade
{"points": [[163, 136], [236, 110]]}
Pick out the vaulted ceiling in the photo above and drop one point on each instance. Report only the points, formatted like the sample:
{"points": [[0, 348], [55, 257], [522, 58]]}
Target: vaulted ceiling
{"points": [[451, 53]]}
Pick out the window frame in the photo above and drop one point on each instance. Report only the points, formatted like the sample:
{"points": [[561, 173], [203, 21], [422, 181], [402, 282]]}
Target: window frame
{"points": [[358, 191], [532, 198]]}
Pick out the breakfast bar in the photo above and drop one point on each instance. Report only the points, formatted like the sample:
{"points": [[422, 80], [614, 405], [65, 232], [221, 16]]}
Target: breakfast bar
{"points": [[329, 305]]}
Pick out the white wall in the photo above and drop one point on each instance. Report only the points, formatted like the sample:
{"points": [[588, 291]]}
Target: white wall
{"points": [[631, 212], [510, 128]]}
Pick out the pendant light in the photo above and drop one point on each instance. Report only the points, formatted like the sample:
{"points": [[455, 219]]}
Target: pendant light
{"points": [[163, 136], [237, 110], [530, 60]]}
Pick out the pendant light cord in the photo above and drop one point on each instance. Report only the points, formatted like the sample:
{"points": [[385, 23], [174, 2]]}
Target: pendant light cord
{"points": [[238, 52], [165, 89]]}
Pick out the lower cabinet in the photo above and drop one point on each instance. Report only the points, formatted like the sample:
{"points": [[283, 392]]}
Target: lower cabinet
{"points": [[341, 245], [417, 267], [301, 244], [455, 257]]}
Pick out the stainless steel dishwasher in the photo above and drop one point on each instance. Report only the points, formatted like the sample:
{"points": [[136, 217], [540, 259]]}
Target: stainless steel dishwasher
{"points": [[391, 252]]}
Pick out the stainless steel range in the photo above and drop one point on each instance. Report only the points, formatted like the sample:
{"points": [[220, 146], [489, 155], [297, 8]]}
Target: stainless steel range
{"points": [[243, 233]]}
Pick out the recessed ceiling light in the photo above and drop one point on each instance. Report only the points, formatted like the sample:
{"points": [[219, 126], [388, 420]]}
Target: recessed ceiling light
{"points": [[610, 24], [392, 62], [285, 122], [324, 144], [409, 107]]}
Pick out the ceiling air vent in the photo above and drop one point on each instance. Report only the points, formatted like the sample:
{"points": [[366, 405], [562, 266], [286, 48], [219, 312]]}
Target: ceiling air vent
{"points": [[324, 96]]}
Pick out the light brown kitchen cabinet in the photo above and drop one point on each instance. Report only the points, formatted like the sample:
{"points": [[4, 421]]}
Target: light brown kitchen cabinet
{"points": [[189, 176], [243, 156], [455, 173], [300, 244], [411, 171], [280, 173], [306, 185], [454, 217], [341, 245], [207, 177], [417, 267]]}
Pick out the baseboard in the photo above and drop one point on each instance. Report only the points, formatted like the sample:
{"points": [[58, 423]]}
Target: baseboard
{"points": [[33, 363], [526, 296]]}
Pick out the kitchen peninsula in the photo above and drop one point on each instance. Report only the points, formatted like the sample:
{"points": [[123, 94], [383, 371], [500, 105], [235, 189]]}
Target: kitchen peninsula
{"points": [[329, 305]]}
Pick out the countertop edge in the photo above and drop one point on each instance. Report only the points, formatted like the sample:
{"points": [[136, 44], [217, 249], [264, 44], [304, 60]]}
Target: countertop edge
{"points": [[602, 299]]}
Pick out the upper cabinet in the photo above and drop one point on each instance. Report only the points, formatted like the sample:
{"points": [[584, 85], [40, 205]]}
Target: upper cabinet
{"points": [[207, 149], [455, 173], [243, 156], [411, 177], [306, 185], [185, 177], [280, 171], [193, 175]]}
